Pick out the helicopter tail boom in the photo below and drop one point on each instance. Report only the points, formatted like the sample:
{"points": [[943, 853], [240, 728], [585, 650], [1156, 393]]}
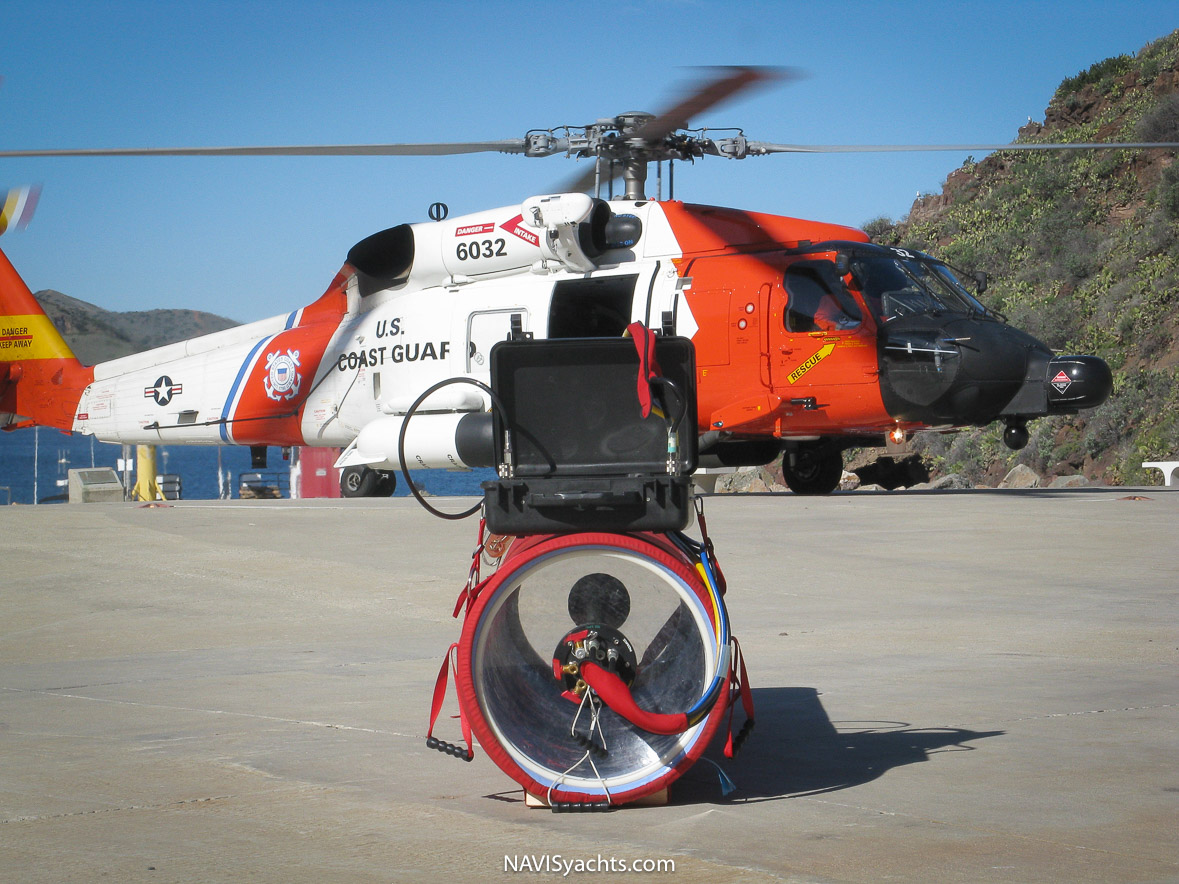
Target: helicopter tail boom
{"points": [[41, 381]]}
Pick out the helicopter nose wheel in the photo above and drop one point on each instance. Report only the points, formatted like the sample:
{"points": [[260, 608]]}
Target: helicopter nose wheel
{"points": [[562, 722]]}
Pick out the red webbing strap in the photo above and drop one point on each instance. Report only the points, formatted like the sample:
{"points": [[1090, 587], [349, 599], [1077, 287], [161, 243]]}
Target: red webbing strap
{"points": [[644, 340], [469, 591], [742, 689], [746, 690], [617, 696], [469, 595], [450, 661], [440, 690]]}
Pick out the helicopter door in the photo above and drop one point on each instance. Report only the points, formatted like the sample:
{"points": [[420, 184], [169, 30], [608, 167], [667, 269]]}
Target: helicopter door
{"points": [[485, 329], [817, 334], [596, 307]]}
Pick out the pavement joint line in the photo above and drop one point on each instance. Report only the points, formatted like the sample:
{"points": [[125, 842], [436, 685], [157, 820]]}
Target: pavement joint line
{"points": [[1093, 712], [130, 807], [323, 724], [43, 626]]}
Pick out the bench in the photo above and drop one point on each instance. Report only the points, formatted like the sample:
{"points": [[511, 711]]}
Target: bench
{"points": [[1166, 466]]}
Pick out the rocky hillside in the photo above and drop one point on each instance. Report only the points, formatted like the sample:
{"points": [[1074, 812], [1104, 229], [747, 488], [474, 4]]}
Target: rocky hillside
{"points": [[1083, 251], [96, 335]]}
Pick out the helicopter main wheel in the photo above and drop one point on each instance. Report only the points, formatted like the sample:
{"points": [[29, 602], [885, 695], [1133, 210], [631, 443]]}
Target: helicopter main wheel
{"points": [[813, 469], [386, 484], [359, 481], [635, 608]]}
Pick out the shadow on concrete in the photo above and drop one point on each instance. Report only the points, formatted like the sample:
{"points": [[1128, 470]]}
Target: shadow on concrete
{"points": [[796, 750]]}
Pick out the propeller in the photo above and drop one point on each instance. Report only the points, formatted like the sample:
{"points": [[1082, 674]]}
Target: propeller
{"points": [[17, 205]]}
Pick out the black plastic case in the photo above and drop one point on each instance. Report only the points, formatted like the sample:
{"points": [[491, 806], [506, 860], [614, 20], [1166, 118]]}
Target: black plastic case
{"points": [[575, 450]]}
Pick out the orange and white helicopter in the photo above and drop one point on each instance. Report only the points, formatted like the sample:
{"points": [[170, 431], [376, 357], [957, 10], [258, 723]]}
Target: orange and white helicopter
{"points": [[809, 339]]}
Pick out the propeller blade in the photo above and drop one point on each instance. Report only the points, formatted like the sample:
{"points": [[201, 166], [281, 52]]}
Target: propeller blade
{"points": [[511, 145], [17, 206], [765, 147]]}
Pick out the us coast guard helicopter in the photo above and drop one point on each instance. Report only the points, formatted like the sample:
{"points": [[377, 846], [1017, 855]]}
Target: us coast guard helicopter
{"points": [[808, 338]]}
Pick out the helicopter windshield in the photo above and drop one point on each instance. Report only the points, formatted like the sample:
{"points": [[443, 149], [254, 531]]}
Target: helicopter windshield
{"points": [[905, 285]]}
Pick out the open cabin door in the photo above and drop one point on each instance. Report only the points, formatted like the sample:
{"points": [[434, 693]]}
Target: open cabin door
{"points": [[593, 307]]}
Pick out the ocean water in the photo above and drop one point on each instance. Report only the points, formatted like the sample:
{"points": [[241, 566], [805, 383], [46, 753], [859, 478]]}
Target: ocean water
{"points": [[38, 458]]}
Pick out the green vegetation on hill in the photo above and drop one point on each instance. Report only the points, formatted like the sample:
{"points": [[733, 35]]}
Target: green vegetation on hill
{"points": [[1083, 251]]}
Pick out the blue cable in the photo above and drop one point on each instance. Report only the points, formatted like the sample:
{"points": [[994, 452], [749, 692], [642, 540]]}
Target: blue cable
{"points": [[699, 552]]}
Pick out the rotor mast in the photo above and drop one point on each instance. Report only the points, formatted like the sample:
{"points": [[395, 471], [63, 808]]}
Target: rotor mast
{"points": [[634, 178]]}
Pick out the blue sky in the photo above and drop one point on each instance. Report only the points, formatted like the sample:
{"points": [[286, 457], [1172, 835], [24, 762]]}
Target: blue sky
{"points": [[249, 238]]}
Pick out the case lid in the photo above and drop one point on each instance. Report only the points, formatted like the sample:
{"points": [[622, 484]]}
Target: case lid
{"points": [[572, 406]]}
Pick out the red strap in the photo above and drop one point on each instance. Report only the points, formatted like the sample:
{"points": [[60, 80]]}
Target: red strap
{"points": [[464, 596], [644, 340], [440, 689], [449, 662], [470, 594], [738, 688], [746, 690], [470, 588], [617, 696]]}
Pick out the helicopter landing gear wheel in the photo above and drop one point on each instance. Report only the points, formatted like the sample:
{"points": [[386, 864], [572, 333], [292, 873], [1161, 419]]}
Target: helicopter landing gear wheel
{"points": [[636, 638], [362, 481], [386, 484], [358, 482], [814, 468]]}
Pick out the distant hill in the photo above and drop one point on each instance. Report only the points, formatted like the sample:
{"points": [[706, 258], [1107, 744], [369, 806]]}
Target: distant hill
{"points": [[96, 335], [1083, 249]]}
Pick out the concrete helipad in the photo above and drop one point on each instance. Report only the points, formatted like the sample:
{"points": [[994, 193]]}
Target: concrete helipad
{"points": [[965, 686]]}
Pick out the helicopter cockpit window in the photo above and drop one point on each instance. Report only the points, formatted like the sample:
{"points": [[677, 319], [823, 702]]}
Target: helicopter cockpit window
{"points": [[818, 300], [898, 286], [946, 275]]}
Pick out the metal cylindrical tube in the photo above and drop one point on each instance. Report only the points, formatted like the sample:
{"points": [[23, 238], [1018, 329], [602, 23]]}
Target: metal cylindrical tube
{"points": [[555, 737]]}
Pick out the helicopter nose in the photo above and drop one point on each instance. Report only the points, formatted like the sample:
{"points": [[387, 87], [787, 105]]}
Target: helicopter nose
{"points": [[957, 371]]}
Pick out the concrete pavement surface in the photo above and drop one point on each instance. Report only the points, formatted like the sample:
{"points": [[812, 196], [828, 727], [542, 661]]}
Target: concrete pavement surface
{"points": [[955, 686]]}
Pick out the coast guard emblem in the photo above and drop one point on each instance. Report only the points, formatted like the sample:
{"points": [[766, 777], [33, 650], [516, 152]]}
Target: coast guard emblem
{"points": [[283, 380]]}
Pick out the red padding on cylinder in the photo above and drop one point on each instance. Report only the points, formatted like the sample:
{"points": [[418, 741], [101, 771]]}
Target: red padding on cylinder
{"points": [[617, 696]]}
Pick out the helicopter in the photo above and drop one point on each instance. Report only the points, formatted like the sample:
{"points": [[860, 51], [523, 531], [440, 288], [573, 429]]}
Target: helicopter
{"points": [[809, 339]]}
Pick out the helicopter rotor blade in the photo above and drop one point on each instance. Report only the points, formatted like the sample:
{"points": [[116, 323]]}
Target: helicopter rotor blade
{"points": [[709, 93], [511, 145], [765, 147]]}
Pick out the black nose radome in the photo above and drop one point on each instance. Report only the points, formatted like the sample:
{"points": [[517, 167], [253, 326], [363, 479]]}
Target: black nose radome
{"points": [[1076, 382], [947, 370]]}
